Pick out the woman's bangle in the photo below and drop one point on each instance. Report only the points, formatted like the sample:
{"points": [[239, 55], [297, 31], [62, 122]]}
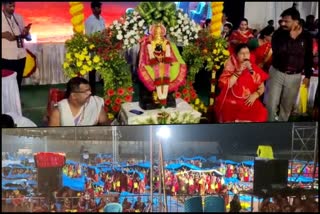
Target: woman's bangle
{"points": [[236, 74], [258, 93]]}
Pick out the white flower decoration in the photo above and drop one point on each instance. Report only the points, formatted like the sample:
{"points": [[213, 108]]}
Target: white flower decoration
{"points": [[119, 37]]}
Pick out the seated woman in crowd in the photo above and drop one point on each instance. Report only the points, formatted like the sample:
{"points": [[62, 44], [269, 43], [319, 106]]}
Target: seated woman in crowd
{"points": [[261, 48], [241, 84], [242, 35], [226, 31]]}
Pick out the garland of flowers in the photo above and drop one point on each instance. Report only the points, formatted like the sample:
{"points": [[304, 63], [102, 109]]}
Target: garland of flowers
{"points": [[216, 19], [77, 20], [215, 29]]}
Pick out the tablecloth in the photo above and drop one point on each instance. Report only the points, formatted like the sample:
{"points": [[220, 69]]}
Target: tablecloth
{"points": [[10, 95], [182, 114]]}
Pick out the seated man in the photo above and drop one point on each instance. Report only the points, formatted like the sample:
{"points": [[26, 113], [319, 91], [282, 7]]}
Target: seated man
{"points": [[79, 108]]}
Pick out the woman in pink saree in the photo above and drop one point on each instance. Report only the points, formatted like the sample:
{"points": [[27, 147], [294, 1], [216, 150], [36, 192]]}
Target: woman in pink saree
{"points": [[241, 84]]}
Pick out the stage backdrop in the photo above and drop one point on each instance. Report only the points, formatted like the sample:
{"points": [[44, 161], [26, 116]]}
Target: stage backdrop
{"points": [[51, 20], [258, 13]]}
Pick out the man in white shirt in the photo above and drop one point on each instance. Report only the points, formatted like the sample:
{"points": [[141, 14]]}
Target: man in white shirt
{"points": [[13, 53], [93, 24], [79, 108]]}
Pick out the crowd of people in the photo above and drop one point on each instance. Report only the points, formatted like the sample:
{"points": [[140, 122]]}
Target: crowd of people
{"points": [[104, 178], [280, 203]]}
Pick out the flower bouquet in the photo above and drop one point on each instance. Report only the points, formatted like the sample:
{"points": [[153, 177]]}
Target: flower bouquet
{"points": [[114, 70], [206, 51], [129, 30], [114, 99], [187, 92], [185, 31], [78, 60]]}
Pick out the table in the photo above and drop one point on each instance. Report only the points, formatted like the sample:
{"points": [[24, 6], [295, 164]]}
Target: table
{"points": [[182, 114], [10, 95], [311, 94]]}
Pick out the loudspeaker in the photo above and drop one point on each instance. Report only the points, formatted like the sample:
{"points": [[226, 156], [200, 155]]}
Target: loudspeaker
{"points": [[49, 179], [270, 175]]}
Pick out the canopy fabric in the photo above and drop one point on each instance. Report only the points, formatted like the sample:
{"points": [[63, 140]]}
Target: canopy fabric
{"points": [[144, 165], [76, 184], [247, 163], [175, 166]]}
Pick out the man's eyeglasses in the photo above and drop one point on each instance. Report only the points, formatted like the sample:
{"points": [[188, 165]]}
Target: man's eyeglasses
{"points": [[84, 91]]}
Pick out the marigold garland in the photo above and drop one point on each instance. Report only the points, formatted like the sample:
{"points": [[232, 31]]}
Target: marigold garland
{"points": [[216, 19], [77, 20], [215, 30]]}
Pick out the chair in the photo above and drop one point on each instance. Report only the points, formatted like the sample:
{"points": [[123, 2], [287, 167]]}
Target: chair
{"points": [[197, 15], [113, 208], [214, 204], [55, 95], [193, 204]]}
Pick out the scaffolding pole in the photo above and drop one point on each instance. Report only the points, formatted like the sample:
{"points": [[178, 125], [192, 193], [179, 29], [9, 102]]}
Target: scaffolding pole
{"points": [[305, 146]]}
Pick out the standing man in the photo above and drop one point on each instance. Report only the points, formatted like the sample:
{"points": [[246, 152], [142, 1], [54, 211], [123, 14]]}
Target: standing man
{"points": [[292, 54], [94, 23], [13, 52]]}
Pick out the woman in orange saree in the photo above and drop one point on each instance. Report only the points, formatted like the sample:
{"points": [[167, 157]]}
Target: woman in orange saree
{"points": [[242, 35], [261, 48], [241, 84]]}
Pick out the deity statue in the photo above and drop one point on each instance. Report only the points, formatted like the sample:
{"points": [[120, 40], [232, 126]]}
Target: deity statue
{"points": [[161, 70]]}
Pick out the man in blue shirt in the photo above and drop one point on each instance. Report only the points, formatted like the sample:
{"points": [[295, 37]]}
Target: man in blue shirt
{"points": [[94, 23]]}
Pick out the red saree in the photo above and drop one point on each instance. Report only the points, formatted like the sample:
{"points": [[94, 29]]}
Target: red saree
{"points": [[230, 104], [263, 56], [240, 37]]}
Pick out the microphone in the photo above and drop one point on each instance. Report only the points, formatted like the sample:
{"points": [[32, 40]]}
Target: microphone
{"points": [[249, 66]]}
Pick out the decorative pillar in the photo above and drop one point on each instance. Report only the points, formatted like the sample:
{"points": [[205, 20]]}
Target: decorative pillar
{"points": [[77, 20], [215, 30]]}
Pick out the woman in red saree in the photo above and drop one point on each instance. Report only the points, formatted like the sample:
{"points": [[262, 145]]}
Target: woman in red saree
{"points": [[261, 48], [242, 35], [241, 84]]}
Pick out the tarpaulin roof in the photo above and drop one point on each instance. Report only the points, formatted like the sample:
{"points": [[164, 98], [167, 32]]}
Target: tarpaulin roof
{"points": [[77, 184]]}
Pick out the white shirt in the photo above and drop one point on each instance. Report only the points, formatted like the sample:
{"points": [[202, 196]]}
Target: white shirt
{"points": [[94, 25], [21, 121], [9, 49], [87, 116]]}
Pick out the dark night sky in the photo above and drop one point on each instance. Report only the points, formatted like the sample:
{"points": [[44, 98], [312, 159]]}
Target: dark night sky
{"points": [[242, 137]]}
